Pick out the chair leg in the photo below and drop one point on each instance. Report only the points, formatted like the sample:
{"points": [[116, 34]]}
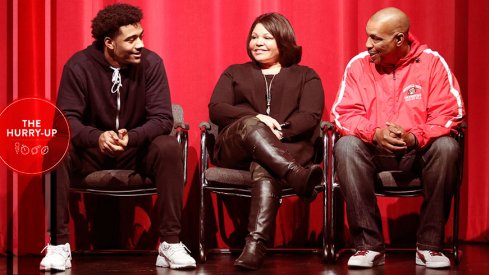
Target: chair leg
{"points": [[329, 235], [325, 224], [202, 253], [456, 217], [336, 205], [53, 213], [332, 226]]}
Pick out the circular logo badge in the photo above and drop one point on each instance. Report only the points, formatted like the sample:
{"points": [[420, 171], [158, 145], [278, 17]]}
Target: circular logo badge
{"points": [[34, 136]]}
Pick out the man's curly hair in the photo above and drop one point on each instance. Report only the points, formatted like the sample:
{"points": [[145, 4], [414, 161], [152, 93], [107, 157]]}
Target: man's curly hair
{"points": [[108, 21]]}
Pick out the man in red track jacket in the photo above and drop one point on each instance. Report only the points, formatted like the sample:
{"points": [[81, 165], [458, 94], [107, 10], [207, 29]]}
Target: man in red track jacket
{"points": [[397, 105]]}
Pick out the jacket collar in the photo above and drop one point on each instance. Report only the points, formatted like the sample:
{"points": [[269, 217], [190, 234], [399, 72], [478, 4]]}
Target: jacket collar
{"points": [[416, 49], [414, 52]]}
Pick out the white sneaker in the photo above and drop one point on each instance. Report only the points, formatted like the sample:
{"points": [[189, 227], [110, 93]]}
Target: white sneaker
{"points": [[366, 258], [432, 259], [175, 256], [58, 257]]}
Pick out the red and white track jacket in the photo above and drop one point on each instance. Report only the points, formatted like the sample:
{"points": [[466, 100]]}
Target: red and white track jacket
{"points": [[421, 94]]}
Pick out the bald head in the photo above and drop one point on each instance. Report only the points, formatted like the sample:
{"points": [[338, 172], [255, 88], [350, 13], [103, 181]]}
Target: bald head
{"points": [[387, 36], [392, 19]]}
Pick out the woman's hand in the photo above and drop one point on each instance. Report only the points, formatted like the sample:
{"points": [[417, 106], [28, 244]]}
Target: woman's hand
{"points": [[272, 124]]}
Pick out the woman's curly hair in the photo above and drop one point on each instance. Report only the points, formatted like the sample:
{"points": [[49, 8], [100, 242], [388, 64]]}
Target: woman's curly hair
{"points": [[111, 18]]}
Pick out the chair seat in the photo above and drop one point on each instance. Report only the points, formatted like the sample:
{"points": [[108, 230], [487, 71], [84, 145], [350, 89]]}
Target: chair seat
{"points": [[115, 180], [216, 175], [398, 179], [398, 183], [237, 182]]}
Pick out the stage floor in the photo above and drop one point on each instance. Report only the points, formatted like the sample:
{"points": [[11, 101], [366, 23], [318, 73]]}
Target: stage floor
{"points": [[474, 261]]}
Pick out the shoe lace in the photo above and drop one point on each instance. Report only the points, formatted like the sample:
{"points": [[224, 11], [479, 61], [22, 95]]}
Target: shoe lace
{"points": [[361, 253], [179, 248], [55, 249], [46, 247], [435, 253]]}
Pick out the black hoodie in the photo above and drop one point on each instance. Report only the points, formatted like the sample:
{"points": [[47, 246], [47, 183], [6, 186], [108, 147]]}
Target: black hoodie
{"points": [[86, 99]]}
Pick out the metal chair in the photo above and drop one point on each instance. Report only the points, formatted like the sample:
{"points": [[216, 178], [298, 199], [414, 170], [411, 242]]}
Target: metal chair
{"points": [[388, 184], [237, 183], [123, 183]]}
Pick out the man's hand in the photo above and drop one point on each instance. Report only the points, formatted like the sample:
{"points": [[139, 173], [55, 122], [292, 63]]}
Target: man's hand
{"points": [[389, 141], [110, 144], [394, 139], [272, 124], [399, 132], [123, 137]]}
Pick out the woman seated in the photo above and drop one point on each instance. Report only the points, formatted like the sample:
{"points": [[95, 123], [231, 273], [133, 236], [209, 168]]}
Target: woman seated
{"points": [[268, 112]]}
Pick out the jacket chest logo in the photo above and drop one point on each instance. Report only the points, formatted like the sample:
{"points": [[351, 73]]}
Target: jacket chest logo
{"points": [[412, 92]]}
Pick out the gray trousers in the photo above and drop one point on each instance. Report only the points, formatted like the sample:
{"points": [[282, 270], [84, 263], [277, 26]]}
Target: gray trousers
{"points": [[356, 164]]}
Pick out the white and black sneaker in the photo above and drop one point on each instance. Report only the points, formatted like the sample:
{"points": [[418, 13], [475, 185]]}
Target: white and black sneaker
{"points": [[432, 259], [366, 258], [58, 257], [174, 256]]}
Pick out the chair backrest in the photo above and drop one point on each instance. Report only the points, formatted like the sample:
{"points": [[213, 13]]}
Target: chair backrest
{"points": [[180, 130], [178, 118], [212, 137]]}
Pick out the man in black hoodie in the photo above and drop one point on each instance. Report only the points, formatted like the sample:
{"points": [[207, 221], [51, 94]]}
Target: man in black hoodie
{"points": [[116, 98]]}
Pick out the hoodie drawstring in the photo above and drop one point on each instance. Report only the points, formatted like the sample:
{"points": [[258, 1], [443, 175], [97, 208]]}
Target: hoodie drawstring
{"points": [[116, 85]]}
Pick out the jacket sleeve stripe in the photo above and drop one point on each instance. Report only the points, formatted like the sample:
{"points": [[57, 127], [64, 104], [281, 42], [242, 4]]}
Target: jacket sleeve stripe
{"points": [[342, 89], [454, 91]]}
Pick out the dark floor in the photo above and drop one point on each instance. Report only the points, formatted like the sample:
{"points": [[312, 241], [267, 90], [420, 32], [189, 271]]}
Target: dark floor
{"points": [[475, 260]]}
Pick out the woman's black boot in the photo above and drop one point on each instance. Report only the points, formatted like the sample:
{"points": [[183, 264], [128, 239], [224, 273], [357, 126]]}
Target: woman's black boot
{"points": [[265, 201]]}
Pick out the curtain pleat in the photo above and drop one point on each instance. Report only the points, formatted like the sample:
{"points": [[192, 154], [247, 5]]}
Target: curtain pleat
{"points": [[199, 39]]}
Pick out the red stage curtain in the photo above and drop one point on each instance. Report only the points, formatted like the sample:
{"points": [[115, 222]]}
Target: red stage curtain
{"points": [[198, 40], [4, 88]]}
